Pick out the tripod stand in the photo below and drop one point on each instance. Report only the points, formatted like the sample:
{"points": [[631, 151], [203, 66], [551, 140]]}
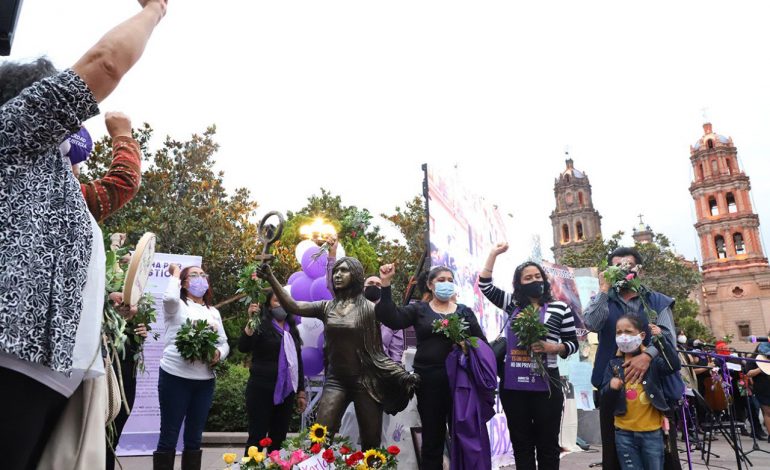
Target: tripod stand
{"points": [[755, 447], [718, 412]]}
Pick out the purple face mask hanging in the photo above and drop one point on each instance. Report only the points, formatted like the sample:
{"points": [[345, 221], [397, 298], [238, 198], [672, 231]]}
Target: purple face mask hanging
{"points": [[520, 368]]}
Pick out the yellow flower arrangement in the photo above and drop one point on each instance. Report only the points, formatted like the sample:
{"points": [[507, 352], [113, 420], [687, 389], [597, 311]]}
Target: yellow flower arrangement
{"points": [[229, 458], [374, 459], [318, 434], [245, 460]]}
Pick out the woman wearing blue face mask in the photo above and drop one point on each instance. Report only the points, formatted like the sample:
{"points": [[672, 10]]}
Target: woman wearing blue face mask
{"points": [[185, 389], [434, 399], [532, 403]]}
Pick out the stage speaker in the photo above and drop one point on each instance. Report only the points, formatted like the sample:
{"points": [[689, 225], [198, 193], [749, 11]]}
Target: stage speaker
{"points": [[9, 15]]}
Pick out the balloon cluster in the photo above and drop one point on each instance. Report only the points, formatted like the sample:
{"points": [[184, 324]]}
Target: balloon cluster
{"points": [[310, 285]]}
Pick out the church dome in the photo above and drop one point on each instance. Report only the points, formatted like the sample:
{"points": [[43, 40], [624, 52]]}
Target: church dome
{"points": [[711, 139], [571, 171]]}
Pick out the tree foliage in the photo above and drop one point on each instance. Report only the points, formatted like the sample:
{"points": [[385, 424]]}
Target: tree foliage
{"points": [[183, 201]]}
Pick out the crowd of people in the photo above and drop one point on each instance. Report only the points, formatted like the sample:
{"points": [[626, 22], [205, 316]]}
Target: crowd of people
{"points": [[52, 284]]}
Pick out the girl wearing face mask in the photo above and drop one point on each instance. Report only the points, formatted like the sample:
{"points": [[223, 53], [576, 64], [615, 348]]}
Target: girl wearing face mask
{"points": [[185, 389], [276, 377], [434, 399], [532, 404], [639, 407]]}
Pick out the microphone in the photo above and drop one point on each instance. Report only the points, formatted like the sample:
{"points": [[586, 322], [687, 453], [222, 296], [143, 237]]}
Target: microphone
{"points": [[695, 343], [758, 339]]}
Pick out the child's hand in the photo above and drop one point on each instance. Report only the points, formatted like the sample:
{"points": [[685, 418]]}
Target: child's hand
{"points": [[616, 383], [655, 330]]}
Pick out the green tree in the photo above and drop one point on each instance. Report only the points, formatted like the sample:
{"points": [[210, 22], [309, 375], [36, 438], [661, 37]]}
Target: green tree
{"points": [[353, 225], [412, 223], [183, 201]]}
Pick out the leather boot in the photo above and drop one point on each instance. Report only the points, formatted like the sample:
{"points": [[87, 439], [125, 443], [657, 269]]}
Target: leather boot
{"points": [[163, 460], [191, 459]]}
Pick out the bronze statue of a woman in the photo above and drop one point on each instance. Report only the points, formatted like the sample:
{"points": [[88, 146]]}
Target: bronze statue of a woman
{"points": [[357, 368]]}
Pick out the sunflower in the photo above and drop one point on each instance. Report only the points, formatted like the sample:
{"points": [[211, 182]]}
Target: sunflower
{"points": [[318, 434], [374, 459]]}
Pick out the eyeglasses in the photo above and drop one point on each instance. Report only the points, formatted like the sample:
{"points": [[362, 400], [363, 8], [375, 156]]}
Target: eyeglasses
{"points": [[194, 275]]}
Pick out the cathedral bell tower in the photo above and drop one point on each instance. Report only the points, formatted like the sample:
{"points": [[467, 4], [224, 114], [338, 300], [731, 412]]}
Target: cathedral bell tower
{"points": [[575, 221], [736, 275]]}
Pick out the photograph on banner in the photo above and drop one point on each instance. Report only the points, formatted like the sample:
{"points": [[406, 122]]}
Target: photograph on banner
{"points": [[463, 228], [140, 435]]}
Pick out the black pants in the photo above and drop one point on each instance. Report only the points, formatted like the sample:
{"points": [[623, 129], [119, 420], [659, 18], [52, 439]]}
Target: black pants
{"points": [[607, 427], [30, 413], [129, 386], [434, 403], [266, 419], [534, 422]]}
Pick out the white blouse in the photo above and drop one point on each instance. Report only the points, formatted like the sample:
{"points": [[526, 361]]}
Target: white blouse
{"points": [[175, 313]]}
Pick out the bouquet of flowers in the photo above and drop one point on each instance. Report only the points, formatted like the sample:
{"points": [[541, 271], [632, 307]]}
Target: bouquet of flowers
{"points": [[253, 290], [197, 341], [455, 328], [145, 315], [529, 331], [314, 443]]}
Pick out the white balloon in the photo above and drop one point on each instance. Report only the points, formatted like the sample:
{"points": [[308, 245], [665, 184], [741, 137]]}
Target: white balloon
{"points": [[301, 248]]}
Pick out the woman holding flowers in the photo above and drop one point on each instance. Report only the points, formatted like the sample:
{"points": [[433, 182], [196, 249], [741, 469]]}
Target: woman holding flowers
{"points": [[276, 378], [434, 397], [530, 389], [186, 387]]}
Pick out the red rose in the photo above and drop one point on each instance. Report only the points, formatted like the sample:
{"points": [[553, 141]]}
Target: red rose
{"points": [[265, 442], [328, 455], [394, 450], [353, 234], [355, 458], [344, 450], [315, 448]]}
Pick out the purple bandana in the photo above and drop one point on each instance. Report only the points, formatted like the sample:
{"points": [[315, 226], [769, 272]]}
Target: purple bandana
{"points": [[288, 370]]}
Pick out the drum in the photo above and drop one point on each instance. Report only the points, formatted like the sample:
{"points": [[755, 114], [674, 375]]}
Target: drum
{"points": [[139, 269], [763, 366]]}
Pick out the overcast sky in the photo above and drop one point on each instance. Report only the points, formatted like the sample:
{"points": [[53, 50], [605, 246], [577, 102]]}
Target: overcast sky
{"points": [[356, 95]]}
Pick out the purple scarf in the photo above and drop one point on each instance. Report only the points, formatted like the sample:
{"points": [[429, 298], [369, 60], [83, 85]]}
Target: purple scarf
{"points": [[472, 381], [288, 371]]}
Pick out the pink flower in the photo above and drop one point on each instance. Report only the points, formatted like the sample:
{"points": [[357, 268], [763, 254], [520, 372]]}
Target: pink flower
{"points": [[275, 457], [254, 276], [297, 456], [630, 277], [444, 322]]}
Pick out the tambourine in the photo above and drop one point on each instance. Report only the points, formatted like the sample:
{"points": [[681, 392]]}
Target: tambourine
{"points": [[139, 269]]}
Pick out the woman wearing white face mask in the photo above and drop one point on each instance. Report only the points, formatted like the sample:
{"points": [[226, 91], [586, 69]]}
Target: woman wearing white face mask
{"points": [[434, 399]]}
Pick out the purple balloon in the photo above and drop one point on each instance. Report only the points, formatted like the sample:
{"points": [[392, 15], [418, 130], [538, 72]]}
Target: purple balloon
{"points": [[319, 291], [300, 290], [312, 361], [294, 277], [314, 268], [321, 341]]}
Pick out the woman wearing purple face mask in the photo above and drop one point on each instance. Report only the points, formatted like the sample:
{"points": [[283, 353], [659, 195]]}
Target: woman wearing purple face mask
{"points": [[185, 389]]}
